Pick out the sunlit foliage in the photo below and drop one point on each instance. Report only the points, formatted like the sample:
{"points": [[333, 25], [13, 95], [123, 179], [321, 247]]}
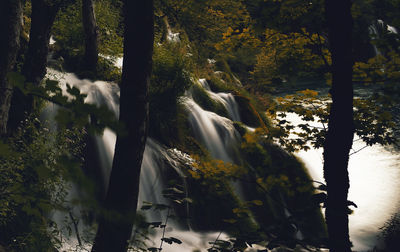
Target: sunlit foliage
{"points": [[288, 57], [215, 169]]}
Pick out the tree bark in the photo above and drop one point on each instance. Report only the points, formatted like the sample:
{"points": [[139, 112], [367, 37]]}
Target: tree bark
{"points": [[34, 69], [91, 35], [10, 27], [115, 227], [340, 133], [43, 16]]}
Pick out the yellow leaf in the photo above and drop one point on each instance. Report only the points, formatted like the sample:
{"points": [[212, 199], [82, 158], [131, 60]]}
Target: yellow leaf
{"points": [[257, 202]]}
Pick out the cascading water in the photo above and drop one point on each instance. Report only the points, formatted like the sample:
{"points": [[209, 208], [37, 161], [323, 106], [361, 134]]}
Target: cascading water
{"points": [[377, 29], [216, 132], [225, 99], [373, 171]]}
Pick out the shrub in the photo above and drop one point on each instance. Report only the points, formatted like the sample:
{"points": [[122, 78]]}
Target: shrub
{"points": [[70, 38], [68, 30], [34, 167], [169, 80]]}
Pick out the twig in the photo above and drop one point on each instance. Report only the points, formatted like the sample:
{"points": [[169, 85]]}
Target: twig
{"points": [[165, 225], [216, 239], [75, 227], [354, 152], [316, 181]]}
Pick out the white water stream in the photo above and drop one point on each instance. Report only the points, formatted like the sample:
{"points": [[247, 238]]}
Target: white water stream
{"points": [[216, 132], [374, 171]]}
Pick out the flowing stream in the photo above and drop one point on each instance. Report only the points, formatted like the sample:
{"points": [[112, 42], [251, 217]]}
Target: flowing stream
{"points": [[374, 171]]}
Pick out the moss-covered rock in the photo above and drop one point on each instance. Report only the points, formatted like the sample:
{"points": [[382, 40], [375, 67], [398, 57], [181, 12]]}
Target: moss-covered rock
{"points": [[282, 183], [240, 127], [201, 97], [248, 112]]}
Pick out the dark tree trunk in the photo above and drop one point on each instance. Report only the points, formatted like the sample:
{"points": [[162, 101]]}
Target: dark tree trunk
{"points": [[115, 227], [91, 34], [34, 68], [43, 15], [10, 28], [340, 133]]}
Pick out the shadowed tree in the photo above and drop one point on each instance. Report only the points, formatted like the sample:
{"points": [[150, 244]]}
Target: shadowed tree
{"points": [[10, 27], [34, 68], [339, 138], [115, 226], [91, 35]]}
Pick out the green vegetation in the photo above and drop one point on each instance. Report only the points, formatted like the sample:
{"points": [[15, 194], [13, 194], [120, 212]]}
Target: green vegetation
{"points": [[69, 36], [68, 29], [36, 168], [170, 78], [269, 45], [201, 97]]}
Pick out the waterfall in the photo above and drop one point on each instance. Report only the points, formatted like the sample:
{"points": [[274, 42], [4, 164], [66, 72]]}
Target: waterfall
{"points": [[225, 99], [217, 133], [377, 29], [373, 171]]}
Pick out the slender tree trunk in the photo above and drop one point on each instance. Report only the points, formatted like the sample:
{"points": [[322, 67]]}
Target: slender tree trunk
{"points": [[340, 133], [91, 34], [43, 15], [10, 28], [34, 68], [115, 227]]}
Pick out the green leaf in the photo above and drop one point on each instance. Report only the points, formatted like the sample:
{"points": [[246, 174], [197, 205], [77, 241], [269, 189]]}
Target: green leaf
{"points": [[52, 86], [5, 150], [16, 79]]}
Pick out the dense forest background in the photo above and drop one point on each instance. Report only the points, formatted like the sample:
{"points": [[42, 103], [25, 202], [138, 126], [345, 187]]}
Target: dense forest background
{"points": [[269, 55]]}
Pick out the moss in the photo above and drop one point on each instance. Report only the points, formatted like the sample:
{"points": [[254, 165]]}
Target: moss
{"points": [[222, 65], [217, 84], [299, 194], [171, 128], [201, 97], [281, 182], [240, 127], [248, 113], [192, 146], [213, 204]]}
